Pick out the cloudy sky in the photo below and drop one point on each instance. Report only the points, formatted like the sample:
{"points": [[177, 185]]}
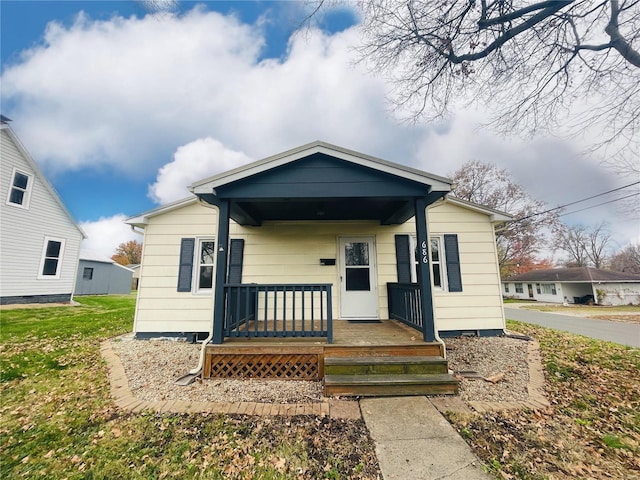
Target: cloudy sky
{"points": [[123, 109]]}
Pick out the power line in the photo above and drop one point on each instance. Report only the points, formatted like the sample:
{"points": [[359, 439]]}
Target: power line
{"points": [[580, 201], [600, 204]]}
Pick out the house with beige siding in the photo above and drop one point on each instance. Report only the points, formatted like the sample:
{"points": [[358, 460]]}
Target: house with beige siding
{"points": [[319, 251], [40, 240]]}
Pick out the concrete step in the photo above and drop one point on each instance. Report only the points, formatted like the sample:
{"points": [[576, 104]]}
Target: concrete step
{"points": [[404, 365], [390, 385]]}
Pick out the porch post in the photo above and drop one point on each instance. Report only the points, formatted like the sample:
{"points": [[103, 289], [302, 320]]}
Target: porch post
{"points": [[425, 270], [222, 243]]}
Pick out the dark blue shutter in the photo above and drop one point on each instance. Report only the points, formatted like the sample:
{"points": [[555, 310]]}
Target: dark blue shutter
{"points": [[236, 252], [185, 270], [403, 259], [453, 263]]}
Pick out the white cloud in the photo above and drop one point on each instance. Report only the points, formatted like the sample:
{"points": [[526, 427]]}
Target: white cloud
{"points": [[193, 161], [104, 235], [125, 92]]}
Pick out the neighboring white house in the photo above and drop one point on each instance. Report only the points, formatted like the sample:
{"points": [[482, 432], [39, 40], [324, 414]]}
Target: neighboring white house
{"points": [[40, 241], [574, 285], [361, 229], [100, 275]]}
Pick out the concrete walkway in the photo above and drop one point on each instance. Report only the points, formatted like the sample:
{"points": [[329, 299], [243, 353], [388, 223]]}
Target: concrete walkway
{"points": [[414, 441]]}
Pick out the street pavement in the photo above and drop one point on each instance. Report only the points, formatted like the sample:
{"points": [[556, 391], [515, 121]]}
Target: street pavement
{"points": [[617, 332]]}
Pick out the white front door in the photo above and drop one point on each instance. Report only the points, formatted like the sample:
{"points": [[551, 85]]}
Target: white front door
{"points": [[358, 282]]}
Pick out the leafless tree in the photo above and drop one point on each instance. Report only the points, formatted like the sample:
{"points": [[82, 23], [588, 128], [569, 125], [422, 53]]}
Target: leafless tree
{"points": [[554, 66], [518, 241], [627, 260], [585, 247], [596, 244]]}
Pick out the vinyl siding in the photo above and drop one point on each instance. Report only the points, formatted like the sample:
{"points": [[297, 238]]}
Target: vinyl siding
{"points": [[290, 252], [23, 231], [160, 307], [479, 305]]}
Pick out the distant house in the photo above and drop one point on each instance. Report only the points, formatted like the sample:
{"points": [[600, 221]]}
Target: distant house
{"points": [[40, 240], [574, 285], [99, 275]]}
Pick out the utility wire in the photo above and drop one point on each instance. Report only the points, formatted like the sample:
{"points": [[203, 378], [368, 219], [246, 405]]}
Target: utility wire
{"points": [[580, 201], [600, 204]]}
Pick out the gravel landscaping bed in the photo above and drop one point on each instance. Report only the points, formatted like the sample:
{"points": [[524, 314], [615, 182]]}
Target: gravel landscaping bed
{"points": [[489, 356], [152, 366]]}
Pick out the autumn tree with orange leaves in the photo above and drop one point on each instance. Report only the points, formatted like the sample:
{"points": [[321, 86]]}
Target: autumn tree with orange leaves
{"points": [[128, 253]]}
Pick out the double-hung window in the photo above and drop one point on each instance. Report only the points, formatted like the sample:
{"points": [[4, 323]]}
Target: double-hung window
{"points": [[205, 257], [20, 189], [51, 261], [437, 262], [519, 288], [506, 288]]}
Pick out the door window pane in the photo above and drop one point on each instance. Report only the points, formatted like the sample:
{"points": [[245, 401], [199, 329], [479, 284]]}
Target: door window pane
{"points": [[356, 253], [358, 279]]}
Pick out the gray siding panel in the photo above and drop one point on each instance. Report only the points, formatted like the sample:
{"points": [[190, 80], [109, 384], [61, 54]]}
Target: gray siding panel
{"points": [[107, 279], [23, 232]]}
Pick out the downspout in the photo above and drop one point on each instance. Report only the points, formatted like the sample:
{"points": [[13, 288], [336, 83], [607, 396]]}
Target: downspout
{"points": [[198, 369]]}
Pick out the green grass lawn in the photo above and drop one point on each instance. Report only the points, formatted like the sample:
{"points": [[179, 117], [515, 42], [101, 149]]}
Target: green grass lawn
{"points": [[57, 419]]}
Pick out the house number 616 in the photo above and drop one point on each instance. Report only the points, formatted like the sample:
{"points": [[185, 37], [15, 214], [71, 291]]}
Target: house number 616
{"points": [[425, 255]]}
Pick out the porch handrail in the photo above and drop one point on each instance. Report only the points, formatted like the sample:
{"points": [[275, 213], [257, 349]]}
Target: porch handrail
{"points": [[278, 310], [405, 304]]}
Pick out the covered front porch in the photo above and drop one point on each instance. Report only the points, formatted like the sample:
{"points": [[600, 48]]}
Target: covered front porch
{"points": [[364, 199]]}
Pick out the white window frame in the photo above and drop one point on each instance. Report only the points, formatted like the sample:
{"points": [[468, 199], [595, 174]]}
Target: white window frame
{"points": [[43, 257], [413, 244], [506, 288], [549, 289], [26, 199], [197, 264], [521, 287]]}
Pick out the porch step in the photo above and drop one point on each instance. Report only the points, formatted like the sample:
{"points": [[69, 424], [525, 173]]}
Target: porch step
{"points": [[421, 350], [402, 365], [390, 385]]}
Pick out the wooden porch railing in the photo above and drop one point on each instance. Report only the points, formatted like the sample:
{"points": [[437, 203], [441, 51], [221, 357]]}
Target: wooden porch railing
{"points": [[278, 310], [405, 304]]}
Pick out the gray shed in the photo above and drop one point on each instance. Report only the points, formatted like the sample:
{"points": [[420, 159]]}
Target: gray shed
{"points": [[99, 275]]}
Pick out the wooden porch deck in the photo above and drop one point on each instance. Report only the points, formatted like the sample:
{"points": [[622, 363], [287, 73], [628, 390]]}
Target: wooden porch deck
{"points": [[383, 357], [345, 332]]}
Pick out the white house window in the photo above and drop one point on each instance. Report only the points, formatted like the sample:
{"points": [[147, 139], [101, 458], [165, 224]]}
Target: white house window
{"points": [[438, 268], [51, 263], [506, 288], [519, 288], [436, 262], [548, 289], [538, 288], [206, 255], [20, 189], [87, 273]]}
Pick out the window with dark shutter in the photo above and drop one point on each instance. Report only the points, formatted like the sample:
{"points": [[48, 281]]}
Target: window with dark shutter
{"points": [[236, 252], [185, 270], [403, 259], [452, 257]]}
